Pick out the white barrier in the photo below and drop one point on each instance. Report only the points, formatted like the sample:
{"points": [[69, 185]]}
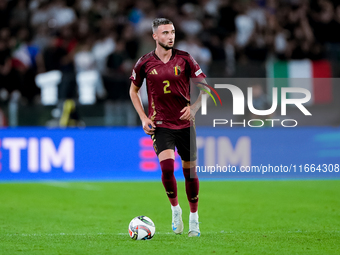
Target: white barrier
{"points": [[48, 82], [87, 82]]}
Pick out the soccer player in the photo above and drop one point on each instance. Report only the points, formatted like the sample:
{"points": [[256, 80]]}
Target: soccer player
{"points": [[171, 117]]}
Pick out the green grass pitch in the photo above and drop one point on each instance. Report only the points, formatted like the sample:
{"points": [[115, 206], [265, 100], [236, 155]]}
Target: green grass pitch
{"points": [[237, 217]]}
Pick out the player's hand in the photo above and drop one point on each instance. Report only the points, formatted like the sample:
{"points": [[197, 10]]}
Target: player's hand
{"points": [[148, 126], [186, 114]]}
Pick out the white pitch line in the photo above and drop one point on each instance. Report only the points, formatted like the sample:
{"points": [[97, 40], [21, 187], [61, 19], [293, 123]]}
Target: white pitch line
{"points": [[67, 185]]}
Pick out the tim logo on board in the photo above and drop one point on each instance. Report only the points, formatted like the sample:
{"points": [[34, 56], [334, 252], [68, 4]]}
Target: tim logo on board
{"points": [[40, 154]]}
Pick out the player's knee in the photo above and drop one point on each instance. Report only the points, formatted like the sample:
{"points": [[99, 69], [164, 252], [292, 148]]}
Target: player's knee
{"points": [[189, 173], [167, 167]]}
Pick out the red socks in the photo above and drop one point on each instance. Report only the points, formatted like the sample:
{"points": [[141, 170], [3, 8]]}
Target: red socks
{"points": [[170, 185], [191, 187], [169, 181]]}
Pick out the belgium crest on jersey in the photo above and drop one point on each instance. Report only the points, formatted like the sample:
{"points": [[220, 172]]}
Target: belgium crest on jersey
{"points": [[177, 70]]}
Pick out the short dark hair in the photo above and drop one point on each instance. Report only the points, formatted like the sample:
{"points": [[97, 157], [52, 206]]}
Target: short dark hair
{"points": [[160, 21]]}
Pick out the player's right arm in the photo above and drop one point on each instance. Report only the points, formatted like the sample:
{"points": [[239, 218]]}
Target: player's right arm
{"points": [[148, 125]]}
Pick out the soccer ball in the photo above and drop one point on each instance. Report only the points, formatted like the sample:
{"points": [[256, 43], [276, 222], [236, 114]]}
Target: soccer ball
{"points": [[141, 228]]}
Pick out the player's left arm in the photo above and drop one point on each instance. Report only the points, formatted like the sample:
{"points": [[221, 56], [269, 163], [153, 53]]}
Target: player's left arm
{"points": [[189, 112]]}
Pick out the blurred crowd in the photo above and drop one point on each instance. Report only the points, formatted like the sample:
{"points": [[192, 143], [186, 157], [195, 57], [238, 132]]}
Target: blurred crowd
{"points": [[38, 36]]}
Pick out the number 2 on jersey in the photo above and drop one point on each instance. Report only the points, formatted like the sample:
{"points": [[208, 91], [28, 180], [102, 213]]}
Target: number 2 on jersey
{"points": [[166, 86]]}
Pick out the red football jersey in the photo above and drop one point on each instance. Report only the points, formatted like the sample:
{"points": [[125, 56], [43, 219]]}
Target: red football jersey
{"points": [[168, 86]]}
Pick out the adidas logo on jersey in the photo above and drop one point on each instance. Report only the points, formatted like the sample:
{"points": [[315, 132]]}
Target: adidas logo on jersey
{"points": [[153, 72]]}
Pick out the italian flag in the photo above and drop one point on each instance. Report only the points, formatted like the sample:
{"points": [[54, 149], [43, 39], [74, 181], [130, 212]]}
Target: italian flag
{"points": [[311, 75]]}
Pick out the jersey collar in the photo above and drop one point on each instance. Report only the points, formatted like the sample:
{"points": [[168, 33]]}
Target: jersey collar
{"points": [[172, 55]]}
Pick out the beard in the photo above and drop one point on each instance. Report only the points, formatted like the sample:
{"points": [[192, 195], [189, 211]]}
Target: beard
{"points": [[165, 46]]}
